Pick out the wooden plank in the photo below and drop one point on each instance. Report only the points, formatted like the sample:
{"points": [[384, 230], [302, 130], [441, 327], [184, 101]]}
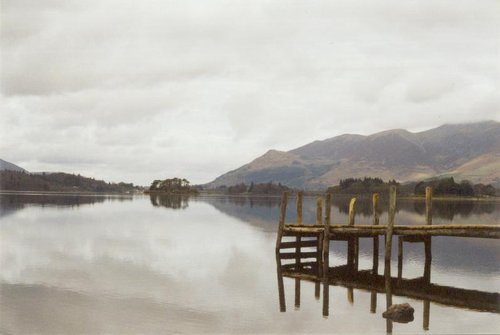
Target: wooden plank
{"points": [[292, 255], [303, 244]]}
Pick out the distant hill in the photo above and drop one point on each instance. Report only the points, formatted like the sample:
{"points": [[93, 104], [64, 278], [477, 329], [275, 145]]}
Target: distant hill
{"points": [[60, 182], [465, 151], [4, 165]]}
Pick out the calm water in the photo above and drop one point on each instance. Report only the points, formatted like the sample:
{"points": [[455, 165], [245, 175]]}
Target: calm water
{"points": [[81, 264]]}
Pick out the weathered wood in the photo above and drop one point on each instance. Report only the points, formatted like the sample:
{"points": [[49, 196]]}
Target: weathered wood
{"points": [[375, 239], [297, 293], [326, 229], [411, 288], [428, 259], [400, 257], [427, 308], [326, 252], [299, 222], [302, 244], [350, 295], [352, 211], [317, 290], [293, 255], [483, 231], [319, 211], [281, 287], [300, 265], [281, 223], [428, 205], [389, 230], [373, 302], [388, 250], [300, 196]]}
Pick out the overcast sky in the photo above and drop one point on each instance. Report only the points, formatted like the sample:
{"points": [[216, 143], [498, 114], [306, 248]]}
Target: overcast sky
{"points": [[139, 90]]}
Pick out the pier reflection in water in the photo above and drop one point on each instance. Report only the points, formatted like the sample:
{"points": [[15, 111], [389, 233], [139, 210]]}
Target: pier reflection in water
{"points": [[350, 277], [317, 237]]}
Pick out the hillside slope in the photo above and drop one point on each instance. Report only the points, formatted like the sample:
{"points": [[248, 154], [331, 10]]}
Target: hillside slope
{"points": [[467, 151]]}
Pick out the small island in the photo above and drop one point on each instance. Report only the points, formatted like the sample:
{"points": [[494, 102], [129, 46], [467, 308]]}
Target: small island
{"points": [[171, 186]]}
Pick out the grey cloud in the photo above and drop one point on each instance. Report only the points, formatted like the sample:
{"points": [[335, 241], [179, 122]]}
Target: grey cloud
{"points": [[196, 89]]}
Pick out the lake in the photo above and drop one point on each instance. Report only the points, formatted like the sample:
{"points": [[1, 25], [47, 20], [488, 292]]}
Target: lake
{"points": [[156, 264]]}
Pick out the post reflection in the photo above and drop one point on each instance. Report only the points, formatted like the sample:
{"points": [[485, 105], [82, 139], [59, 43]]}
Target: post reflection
{"points": [[351, 278]]}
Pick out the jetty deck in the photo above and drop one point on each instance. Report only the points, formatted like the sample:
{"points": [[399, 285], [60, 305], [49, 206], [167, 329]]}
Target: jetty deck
{"points": [[308, 255]]}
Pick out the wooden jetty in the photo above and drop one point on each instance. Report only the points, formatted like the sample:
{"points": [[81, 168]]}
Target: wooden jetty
{"points": [[312, 264]]}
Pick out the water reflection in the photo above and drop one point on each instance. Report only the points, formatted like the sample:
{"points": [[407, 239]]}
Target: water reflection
{"points": [[12, 202], [263, 209], [292, 265], [177, 201]]}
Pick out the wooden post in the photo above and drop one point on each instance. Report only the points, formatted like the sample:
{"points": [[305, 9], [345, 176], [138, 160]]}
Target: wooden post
{"points": [[428, 205], [319, 211], [298, 239], [352, 211], [300, 196], [375, 239], [281, 223], [388, 250], [355, 240], [326, 232], [373, 296], [373, 302], [317, 290], [427, 307], [350, 295], [400, 257], [319, 221], [326, 250], [297, 293], [281, 287], [390, 228], [428, 259]]}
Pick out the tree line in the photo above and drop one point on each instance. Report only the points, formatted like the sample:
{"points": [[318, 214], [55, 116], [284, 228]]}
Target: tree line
{"points": [[59, 182]]}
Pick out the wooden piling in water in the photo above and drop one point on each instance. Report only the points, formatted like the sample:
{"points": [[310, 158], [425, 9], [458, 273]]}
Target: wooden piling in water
{"points": [[428, 205], [326, 250], [298, 238], [352, 243], [375, 239], [388, 250], [319, 221], [281, 223]]}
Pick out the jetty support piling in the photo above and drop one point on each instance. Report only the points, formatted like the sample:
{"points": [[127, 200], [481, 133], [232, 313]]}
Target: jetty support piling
{"points": [[375, 239], [281, 223]]}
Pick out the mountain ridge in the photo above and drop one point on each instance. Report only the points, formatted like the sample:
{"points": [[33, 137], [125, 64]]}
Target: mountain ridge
{"points": [[453, 149]]}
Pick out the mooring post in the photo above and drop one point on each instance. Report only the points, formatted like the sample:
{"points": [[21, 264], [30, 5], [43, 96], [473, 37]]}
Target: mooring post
{"points": [[319, 221], [298, 239], [400, 257], [281, 287], [326, 250], [373, 302], [300, 196], [427, 240], [281, 223], [297, 293], [428, 205], [388, 250], [353, 242], [375, 239]]}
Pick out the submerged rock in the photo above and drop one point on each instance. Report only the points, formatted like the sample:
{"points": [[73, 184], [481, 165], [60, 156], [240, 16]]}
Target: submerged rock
{"points": [[402, 313]]}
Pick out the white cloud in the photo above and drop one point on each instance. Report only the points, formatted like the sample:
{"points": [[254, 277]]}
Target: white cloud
{"points": [[134, 91]]}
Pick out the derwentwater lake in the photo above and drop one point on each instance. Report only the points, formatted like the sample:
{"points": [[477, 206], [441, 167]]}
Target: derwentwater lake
{"points": [[206, 264]]}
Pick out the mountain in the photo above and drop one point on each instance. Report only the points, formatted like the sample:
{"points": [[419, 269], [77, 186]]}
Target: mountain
{"points": [[466, 151], [4, 165]]}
